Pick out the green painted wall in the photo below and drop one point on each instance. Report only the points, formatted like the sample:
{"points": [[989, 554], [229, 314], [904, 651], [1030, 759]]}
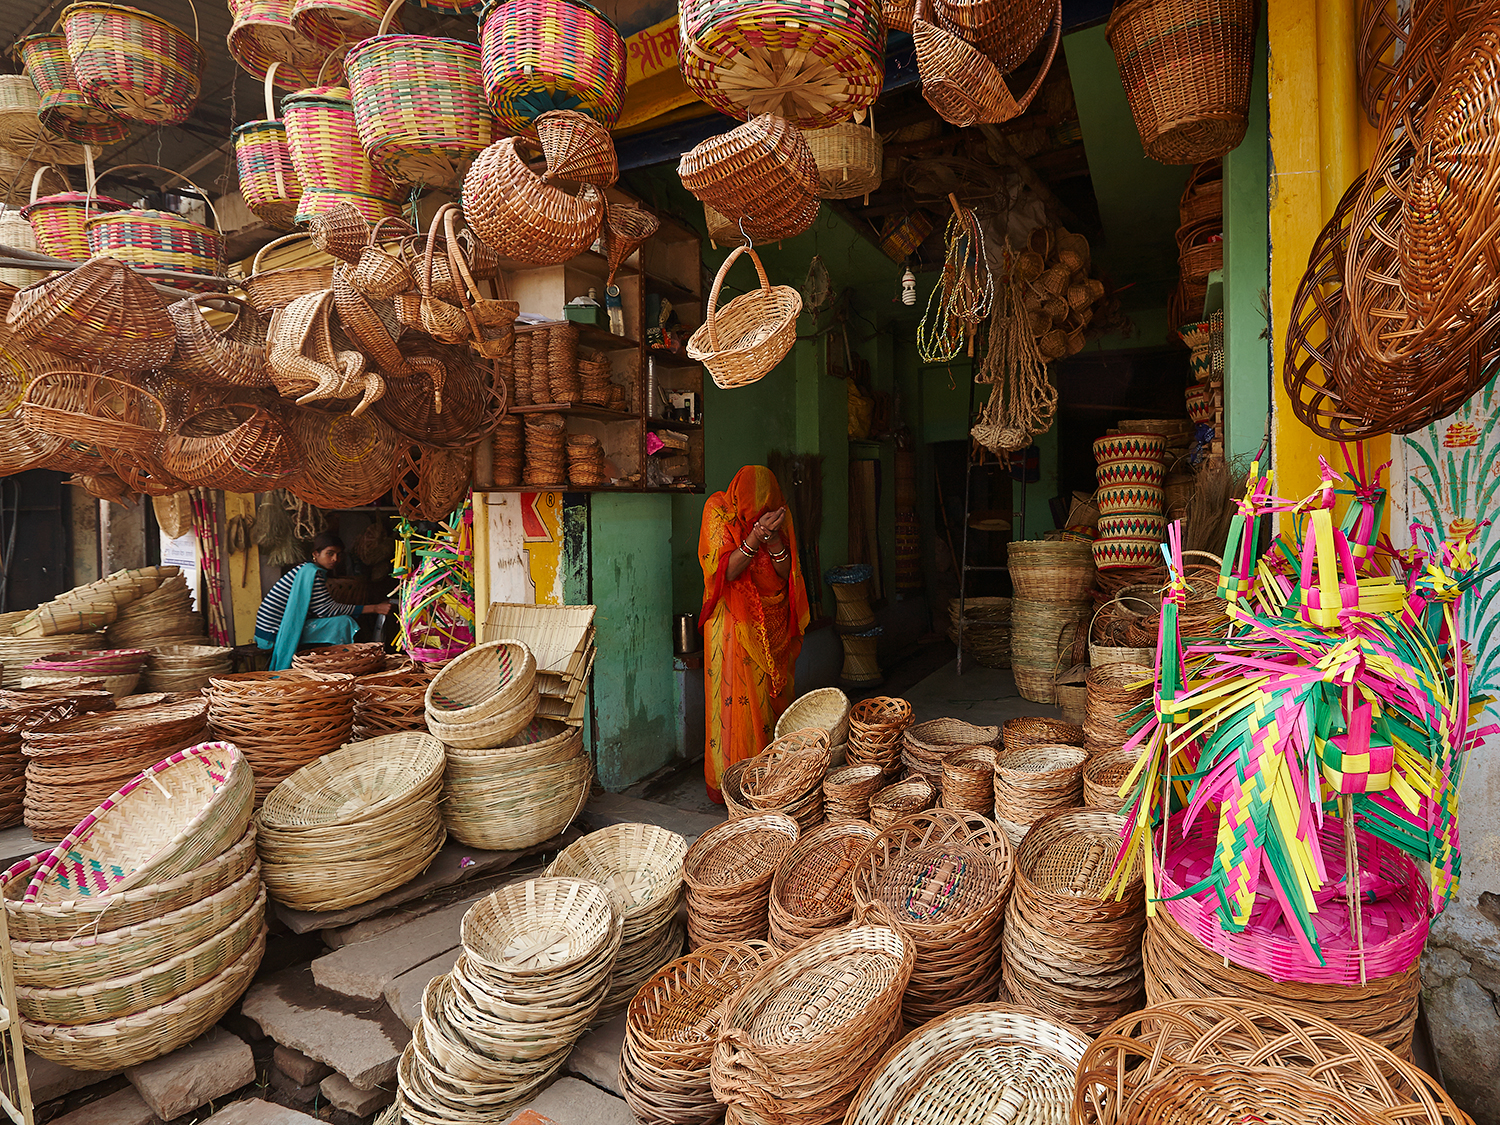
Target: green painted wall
{"points": [[1247, 266], [635, 715]]}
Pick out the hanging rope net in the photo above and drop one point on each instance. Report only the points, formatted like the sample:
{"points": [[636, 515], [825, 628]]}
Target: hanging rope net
{"points": [[1022, 400], [963, 295]]}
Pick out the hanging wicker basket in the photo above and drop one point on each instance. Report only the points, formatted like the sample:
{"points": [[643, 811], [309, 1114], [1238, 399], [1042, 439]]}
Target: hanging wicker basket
{"points": [[234, 448], [850, 159], [577, 148], [741, 343], [160, 240], [22, 133], [63, 109], [96, 410], [961, 83], [541, 55], [102, 312], [761, 176], [264, 35], [330, 161], [345, 461], [517, 214], [1185, 65], [60, 221], [268, 178], [134, 64]]}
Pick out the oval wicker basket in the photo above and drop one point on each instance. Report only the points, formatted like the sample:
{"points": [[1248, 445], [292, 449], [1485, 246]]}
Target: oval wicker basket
{"points": [[1037, 730], [640, 865], [743, 341], [812, 891], [503, 931], [516, 213], [355, 659], [501, 802], [825, 708], [761, 176], [903, 799], [926, 745], [728, 871], [1049, 571], [847, 791]]}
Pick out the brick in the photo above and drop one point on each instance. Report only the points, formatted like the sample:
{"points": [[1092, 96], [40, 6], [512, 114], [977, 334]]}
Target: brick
{"points": [[360, 1040], [50, 1081], [570, 1101], [341, 1094], [597, 1055], [298, 1067], [290, 1092], [257, 1112], [209, 1067], [404, 994], [124, 1107]]}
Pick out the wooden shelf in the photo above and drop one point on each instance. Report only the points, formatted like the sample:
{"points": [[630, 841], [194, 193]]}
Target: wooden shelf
{"points": [[597, 412], [663, 424], [671, 359], [595, 265], [670, 289], [589, 335]]}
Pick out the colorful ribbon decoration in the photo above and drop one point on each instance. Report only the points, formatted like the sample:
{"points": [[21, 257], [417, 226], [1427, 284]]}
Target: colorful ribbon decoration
{"points": [[436, 568]]}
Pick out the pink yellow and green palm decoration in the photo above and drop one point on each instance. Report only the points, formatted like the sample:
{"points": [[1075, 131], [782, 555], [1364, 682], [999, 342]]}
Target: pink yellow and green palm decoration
{"points": [[1335, 717], [435, 563]]}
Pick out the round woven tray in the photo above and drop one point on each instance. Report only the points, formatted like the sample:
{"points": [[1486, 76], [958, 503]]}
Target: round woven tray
{"points": [[355, 659], [813, 890], [728, 872], [640, 865], [903, 799]]}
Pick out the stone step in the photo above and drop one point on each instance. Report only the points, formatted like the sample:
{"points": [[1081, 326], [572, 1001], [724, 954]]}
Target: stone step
{"points": [[404, 994], [597, 1055], [571, 1101], [256, 1112], [351, 1099], [365, 969], [209, 1067], [360, 1039], [124, 1107]]}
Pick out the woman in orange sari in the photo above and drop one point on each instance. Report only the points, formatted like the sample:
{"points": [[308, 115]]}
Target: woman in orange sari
{"points": [[754, 613]]}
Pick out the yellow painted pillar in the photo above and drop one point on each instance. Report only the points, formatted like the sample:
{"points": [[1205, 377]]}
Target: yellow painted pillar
{"points": [[244, 571], [1320, 142]]}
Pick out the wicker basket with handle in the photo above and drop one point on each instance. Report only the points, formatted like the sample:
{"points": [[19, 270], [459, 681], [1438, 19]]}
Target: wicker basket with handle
{"points": [[134, 64], [761, 176], [743, 341], [961, 83], [519, 215]]}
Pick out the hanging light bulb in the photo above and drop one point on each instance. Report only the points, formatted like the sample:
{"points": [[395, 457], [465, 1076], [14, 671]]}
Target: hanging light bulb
{"points": [[908, 288]]}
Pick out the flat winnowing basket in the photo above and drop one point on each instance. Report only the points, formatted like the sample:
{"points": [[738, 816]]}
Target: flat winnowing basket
{"points": [[102, 312], [558, 636], [742, 342]]}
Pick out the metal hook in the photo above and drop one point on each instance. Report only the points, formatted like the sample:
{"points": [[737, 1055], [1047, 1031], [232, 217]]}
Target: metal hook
{"points": [[749, 242]]}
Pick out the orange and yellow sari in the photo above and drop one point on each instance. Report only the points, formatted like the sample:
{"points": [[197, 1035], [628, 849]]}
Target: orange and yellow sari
{"points": [[752, 627]]}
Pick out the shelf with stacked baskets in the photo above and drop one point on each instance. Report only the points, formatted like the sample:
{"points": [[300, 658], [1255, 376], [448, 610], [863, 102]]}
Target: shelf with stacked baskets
{"points": [[581, 402]]}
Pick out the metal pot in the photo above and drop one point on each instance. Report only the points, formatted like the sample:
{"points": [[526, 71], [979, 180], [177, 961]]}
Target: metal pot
{"points": [[685, 636]]}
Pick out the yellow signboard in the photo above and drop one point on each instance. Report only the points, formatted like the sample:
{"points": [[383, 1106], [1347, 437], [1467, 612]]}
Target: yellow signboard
{"points": [[654, 85]]}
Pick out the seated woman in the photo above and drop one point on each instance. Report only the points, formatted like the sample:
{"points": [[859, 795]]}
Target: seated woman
{"points": [[298, 609]]}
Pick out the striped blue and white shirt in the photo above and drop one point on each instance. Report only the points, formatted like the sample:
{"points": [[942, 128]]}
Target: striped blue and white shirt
{"points": [[321, 604]]}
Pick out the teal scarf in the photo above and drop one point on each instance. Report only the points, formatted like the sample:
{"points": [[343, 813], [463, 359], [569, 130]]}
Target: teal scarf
{"points": [[289, 636]]}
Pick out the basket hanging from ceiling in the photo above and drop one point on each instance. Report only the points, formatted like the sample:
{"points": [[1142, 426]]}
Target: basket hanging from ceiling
{"points": [[761, 176], [349, 20], [577, 148], [344, 461], [742, 342], [60, 221], [961, 83], [540, 55], [236, 448], [263, 34], [814, 64], [159, 240], [235, 357], [626, 228], [63, 109], [850, 159], [330, 161], [102, 312], [1185, 65], [517, 214], [1004, 30], [419, 104], [84, 407], [134, 64], [268, 178], [22, 133]]}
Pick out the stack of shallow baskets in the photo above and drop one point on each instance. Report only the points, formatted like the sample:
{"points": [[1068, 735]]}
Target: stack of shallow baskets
{"points": [[165, 932], [1052, 582], [926, 746], [513, 779], [728, 873], [354, 824], [1118, 697], [943, 879], [909, 796], [534, 968], [281, 720], [986, 629], [813, 889], [26, 711], [786, 777], [670, 1031], [875, 729], [1039, 771], [640, 866], [508, 451], [391, 702], [162, 618], [117, 669], [1072, 949], [184, 667], [74, 765], [847, 791]]}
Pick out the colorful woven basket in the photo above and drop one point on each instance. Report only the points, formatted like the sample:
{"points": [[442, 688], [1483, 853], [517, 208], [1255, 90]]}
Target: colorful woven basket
{"points": [[134, 64], [419, 105], [21, 131], [1133, 525], [1116, 474], [330, 161], [539, 55], [1119, 500], [1120, 553], [814, 63], [268, 178], [263, 33], [63, 109], [159, 240], [349, 20], [1129, 447], [59, 221]]}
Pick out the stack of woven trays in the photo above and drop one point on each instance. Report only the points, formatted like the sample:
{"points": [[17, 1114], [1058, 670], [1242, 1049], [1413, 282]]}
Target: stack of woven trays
{"points": [[925, 746], [785, 777], [534, 967], [390, 702], [73, 765], [991, 1060], [184, 667], [728, 873], [90, 607], [1103, 775], [520, 368], [546, 461], [354, 824], [812, 891], [847, 791], [17, 652], [909, 796], [163, 617], [514, 778], [942, 879], [1072, 947], [986, 629], [118, 668], [1194, 1061], [1369, 985], [281, 720], [1116, 691], [22, 711], [1052, 582], [508, 451], [875, 729], [353, 659], [1038, 730], [540, 371], [827, 709], [1034, 780], [144, 926], [562, 364], [799, 1035], [585, 461], [640, 866], [594, 377], [670, 1030]]}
